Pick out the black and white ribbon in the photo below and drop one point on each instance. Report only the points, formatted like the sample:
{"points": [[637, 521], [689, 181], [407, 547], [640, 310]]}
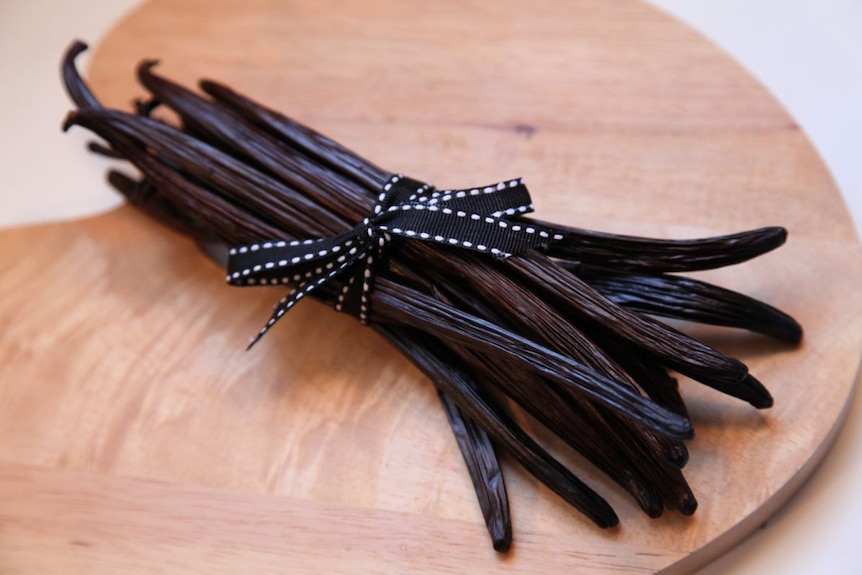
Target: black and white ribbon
{"points": [[473, 219]]}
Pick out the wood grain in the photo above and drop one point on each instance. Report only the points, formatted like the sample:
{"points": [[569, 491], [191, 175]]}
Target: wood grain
{"points": [[139, 436]]}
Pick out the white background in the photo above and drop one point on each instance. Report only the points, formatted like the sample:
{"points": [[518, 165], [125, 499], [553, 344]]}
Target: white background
{"points": [[808, 53]]}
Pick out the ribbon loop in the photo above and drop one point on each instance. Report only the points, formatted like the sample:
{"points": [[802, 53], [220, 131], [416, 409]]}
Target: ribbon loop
{"points": [[475, 219]]}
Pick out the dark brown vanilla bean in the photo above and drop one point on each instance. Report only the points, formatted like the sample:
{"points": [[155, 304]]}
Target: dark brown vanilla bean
{"points": [[657, 255], [690, 299], [102, 150], [700, 255], [76, 88], [206, 162], [657, 382], [658, 470], [568, 335], [309, 140], [485, 472]]}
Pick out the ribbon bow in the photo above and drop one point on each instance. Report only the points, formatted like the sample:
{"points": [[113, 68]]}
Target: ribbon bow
{"points": [[473, 219]]}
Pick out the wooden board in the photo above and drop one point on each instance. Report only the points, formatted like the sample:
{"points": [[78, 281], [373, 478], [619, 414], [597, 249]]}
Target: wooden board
{"points": [[139, 437]]}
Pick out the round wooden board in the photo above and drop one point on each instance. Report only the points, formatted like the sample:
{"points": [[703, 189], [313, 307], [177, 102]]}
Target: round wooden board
{"points": [[139, 436]]}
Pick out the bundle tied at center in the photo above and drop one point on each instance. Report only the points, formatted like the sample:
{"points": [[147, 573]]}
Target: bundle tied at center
{"points": [[477, 219]]}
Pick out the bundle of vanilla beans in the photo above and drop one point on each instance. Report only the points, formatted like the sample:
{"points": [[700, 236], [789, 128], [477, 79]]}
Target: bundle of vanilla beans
{"points": [[512, 311]]}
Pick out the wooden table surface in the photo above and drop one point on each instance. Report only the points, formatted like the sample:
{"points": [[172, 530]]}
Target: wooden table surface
{"points": [[138, 435]]}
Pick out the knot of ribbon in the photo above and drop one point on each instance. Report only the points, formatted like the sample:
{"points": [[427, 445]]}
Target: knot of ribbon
{"points": [[473, 219]]}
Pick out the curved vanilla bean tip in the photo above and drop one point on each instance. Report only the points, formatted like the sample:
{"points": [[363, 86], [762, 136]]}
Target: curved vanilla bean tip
{"points": [[755, 392], [72, 119], [690, 299], [687, 504], [662, 255], [485, 472], [77, 89]]}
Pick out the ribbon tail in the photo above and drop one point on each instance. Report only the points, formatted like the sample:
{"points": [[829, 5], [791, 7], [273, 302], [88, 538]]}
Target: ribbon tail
{"points": [[355, 296], [305, 288]]}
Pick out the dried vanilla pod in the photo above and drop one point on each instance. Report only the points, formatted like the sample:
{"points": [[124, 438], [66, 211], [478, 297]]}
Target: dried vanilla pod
{"points": [[689, 299], [486, 301], [485, 472]]}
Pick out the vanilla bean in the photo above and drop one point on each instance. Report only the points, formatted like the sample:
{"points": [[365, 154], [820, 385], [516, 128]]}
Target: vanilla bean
{"points": [[614, 445], [653, 255], [75, 86], [695, 254], [690, 299], [664, 475], [485, 472]]}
